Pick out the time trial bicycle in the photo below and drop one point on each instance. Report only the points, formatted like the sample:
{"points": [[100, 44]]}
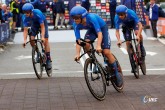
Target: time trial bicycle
{"points": [[96, 75], [134, 53], [38, 56]]}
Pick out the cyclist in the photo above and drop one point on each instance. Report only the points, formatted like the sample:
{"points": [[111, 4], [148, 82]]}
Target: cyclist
{"points": [[37, 21], [96, 28], [129, 20]]}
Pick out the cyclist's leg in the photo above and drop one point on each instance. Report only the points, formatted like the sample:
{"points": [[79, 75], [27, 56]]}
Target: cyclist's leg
{"points": [[90, 36], [143, 52], [128, 38], [47, 47], [106, 43], [33, 34]]}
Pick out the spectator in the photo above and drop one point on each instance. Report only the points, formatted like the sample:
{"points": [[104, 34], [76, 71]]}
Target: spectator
{"points": [[60, 10], [15, 10], [21, 12], [6, 14], [86, 4], [53, 6], [112, 8], [153, 10], [1, 19], [41, 5], [129, 4]]}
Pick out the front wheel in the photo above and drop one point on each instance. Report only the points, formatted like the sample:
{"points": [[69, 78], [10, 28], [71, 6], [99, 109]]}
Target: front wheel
{"points": [[114, 80], [133, 61], [37, 62], [95, 79]]}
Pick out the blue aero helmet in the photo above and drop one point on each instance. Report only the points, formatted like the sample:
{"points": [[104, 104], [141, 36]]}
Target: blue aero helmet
{"points": [[121, 9], [27, 7], [78, 12]]}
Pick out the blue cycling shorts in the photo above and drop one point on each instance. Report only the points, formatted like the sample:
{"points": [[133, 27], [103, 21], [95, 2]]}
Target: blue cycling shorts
{"points": [[126, 31], [106, 41], [35, 29]]}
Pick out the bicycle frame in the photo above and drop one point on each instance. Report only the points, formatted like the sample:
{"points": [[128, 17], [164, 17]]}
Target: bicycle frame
{"points": [[39, 53], [92, 55], [135, 47]]}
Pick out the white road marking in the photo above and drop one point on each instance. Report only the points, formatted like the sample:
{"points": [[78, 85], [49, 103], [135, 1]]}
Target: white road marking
{"points": [[59, 72], [22, 57], [151, 53], [124, 50], [82, 59]]}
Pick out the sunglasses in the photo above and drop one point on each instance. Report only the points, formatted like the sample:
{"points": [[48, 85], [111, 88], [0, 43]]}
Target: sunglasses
{"points": [[76, 17], [26, 12], [121, 14]]}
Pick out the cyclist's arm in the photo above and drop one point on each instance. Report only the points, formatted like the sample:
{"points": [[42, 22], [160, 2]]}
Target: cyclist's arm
{"points": [[140, 29], [117, 34], [78, 49], [96, 25], [42, 30], [100, 37], [134, 16], [117, 23], [25, 33], [77, 35]]}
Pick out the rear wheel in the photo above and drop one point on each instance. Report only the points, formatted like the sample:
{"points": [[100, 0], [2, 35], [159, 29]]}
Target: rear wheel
{"points": [[95, 79], [114, 80], [37, 62], [49, 72], [133, 61], [141, 60]]}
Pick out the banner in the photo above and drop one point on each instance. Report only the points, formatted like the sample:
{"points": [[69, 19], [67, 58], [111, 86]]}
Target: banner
{"points": [[4, 32]]}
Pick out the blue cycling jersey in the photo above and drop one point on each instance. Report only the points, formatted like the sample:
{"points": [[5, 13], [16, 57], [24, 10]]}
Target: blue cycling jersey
{"points": [[37, 19], [130, 21], [93, 21]]}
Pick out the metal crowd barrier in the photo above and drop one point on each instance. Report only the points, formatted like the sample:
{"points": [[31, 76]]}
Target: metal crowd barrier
{"points": [[4, 33]]}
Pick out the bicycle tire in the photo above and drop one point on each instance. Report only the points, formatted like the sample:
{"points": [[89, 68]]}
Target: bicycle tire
{"points": [[37, 72], [113, 80], [141, 60], [143, 67], [133, 62], [90, 77], [48, 72]]}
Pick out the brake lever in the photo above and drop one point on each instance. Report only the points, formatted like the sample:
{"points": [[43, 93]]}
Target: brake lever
{"points": [[98, 53], [119, 45], [76, 60]]}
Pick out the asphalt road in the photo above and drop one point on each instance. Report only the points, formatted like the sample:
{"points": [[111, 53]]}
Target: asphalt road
{"points": [[16, 61], [67, 90]]}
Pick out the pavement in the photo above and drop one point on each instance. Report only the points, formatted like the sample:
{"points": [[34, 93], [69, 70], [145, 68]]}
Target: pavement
{"points": [[72, 93]]}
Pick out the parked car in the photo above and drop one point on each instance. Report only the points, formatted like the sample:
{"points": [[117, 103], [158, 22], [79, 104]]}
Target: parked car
{"points": [[162, 5], [162, 9]]}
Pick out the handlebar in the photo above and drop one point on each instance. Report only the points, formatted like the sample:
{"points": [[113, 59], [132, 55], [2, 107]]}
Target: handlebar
{"points": [[130, 40], [36, 40], [126, 41], [83, 42]]}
